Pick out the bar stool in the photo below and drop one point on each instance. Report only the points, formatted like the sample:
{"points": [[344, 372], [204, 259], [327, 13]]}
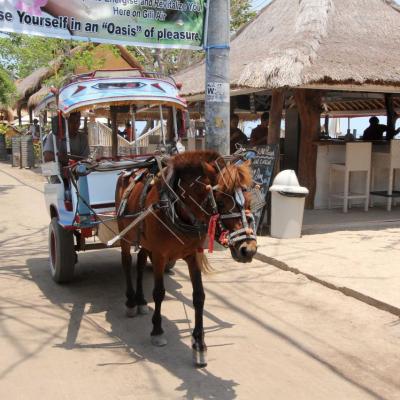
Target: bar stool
{"points": [[358, 159], [391, 163]]}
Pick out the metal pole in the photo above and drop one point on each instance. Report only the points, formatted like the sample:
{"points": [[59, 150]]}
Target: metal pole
{"points": [[217, 98], [67, 136], [162, 126], [133, 126], [175, 124]]}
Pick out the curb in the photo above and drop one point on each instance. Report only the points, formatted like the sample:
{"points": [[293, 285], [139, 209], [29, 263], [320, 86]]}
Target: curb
{"points": [[342, 289]]}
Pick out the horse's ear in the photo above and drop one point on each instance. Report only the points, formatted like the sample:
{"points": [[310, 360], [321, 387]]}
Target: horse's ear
{"points": [[209, 170]]}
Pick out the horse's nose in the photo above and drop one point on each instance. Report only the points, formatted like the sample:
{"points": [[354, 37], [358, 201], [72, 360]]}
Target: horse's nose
{"points": [[247, 252]]}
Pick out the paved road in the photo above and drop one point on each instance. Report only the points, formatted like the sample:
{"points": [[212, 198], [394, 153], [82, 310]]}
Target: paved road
{"points": [[271, 334]]}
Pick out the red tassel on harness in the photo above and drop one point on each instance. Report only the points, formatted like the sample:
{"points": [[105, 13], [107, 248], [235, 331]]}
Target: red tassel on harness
{"points": [[223, 239], [211, 232]]}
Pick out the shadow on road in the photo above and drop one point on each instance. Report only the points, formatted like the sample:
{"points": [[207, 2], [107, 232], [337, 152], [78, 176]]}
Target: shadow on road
{"points": [[100, 288]]}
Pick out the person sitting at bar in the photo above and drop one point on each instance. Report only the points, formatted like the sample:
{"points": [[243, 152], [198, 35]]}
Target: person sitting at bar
{"points": [[259, 135], [237, 136], [375, 130], [78, 142]]}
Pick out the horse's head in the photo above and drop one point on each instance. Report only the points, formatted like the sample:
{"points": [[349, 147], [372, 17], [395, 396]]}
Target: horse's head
{"points": [[215, 194], [236, 228]]}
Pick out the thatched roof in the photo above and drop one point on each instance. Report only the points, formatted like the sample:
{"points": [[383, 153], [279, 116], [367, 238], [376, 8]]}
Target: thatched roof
{"points": [[37, 97], [27, 88], [7, 112], [30, 84], [294, 43]]}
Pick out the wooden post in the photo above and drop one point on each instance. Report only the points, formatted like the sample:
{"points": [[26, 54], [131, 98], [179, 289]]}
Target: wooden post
{"points": [[292, 139], [19, 113], [275, 116], [391, 117], [114, 136], [170, 134], [309, 105]]}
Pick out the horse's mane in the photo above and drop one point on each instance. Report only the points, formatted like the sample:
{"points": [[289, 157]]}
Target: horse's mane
{"points": [[192, 161], [233, 177]]}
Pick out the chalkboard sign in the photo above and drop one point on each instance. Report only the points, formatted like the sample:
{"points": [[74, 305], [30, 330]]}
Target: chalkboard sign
{"points": [[263, 166]]}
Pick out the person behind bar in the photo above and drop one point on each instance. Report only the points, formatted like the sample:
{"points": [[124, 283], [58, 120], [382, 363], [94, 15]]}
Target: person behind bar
{"points": [[237, 136], [259, 135], [375, 130]]}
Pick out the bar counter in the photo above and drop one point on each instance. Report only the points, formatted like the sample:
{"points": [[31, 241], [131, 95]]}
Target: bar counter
{"points": [[334, 151]]}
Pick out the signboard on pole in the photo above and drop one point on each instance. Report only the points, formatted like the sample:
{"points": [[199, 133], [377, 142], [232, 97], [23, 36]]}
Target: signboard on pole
{"points": [[150, 23]]}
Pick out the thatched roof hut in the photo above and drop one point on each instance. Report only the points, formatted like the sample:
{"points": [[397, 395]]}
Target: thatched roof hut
{"points": [[37, 97], [6, 113], [313, 44]]}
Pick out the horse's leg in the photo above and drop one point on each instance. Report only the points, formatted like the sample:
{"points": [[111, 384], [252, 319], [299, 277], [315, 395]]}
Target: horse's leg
{"points": [[131, 304], [140, 300], [198, 344], [157, 334]]}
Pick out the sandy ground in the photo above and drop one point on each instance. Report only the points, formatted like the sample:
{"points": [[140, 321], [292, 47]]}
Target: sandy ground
{"points": [[364, 260], [271, 334]]}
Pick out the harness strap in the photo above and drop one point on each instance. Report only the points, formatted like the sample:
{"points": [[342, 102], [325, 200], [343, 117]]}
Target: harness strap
{"points": [[128, 191], [140, 218], [211, 232]]}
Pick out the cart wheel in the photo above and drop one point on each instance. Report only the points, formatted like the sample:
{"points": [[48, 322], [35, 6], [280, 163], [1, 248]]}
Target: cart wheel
{"points": [[62, 252]]}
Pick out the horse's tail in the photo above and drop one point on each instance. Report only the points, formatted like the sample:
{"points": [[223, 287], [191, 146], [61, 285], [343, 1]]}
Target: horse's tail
{"points": [[203, 263]]}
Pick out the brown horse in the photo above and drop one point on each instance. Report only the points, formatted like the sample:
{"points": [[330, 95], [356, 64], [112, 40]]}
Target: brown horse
{"points": [[197, 193]]}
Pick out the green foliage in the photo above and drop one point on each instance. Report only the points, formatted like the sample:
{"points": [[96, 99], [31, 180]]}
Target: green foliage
{"points": [[7, 88], [3, 128], [22, 54], [81, 56], [240, 13]]}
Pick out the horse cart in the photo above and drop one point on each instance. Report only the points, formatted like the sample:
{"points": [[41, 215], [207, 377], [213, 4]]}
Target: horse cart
{"points": [[80, 193], [120, 195]]}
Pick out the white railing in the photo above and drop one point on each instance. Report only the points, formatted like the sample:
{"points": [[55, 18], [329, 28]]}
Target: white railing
{"points": [[101, 135], [144, 140]]}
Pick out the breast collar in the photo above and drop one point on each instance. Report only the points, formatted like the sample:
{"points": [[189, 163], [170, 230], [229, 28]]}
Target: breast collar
{"points": [[169, 200]]}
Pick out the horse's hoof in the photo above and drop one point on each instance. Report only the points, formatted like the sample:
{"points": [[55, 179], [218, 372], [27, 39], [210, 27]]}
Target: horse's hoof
{"points": [[131, 312], [143, 309], [158, 340], [199, 358]]}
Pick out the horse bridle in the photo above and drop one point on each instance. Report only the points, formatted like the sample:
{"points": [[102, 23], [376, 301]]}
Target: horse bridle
{"points": [[169, 199], [230, 238]]}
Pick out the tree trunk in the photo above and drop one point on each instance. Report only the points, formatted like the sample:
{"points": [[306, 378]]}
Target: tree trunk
{"points": [[275, 116], [309, 105]]}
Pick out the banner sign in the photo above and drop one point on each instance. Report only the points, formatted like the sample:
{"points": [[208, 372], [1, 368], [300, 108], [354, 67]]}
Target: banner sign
{"points": [[150, 23]]}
